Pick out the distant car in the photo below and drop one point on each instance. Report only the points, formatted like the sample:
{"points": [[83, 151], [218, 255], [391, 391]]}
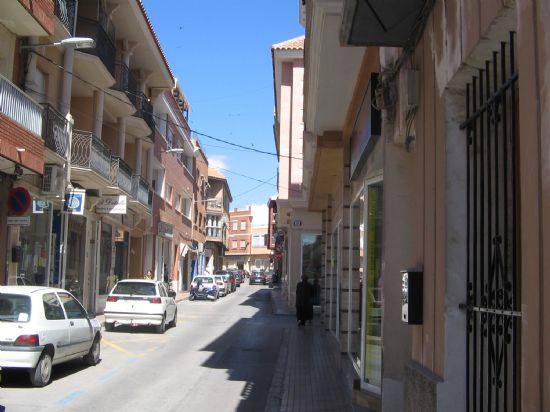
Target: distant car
{"points": [[141, 302], [223, 285], [41, 327], [257, 278], [208, 290]]}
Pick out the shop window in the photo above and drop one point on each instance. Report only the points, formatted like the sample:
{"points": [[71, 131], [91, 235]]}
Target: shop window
{"points": [[356, 278], [33, 251], [311, 262], [107, 280], [373, 287], [76, 246]]}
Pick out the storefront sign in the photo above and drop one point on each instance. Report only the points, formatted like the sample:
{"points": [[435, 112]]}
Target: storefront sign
{"points": [[74, 202], [19, 220], [165, 230], [40, 206], [19, 201], [112, 205]]}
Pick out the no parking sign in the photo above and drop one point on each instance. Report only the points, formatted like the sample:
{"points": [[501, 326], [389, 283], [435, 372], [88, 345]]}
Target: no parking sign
{"points": [[19, 201]]}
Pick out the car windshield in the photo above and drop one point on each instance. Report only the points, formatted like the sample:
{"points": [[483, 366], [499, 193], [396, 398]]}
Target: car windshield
{"points": [[204, 280], [15, 308], [135, 288]]}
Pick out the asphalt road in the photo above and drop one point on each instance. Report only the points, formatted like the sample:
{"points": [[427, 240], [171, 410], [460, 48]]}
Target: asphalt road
{"points": [[221, 356]]}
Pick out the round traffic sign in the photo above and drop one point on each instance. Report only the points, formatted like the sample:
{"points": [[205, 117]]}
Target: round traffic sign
{"points": [[19, 201]]}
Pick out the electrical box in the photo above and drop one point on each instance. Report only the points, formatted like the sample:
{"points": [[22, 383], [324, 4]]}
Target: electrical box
{"points": [[412, 289]]}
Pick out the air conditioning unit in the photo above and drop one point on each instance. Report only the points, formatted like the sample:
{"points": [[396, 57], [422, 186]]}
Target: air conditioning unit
{"points": [[52, 180]]}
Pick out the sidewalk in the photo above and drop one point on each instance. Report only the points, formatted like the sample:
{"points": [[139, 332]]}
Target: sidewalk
{"points": [[308, 375]]}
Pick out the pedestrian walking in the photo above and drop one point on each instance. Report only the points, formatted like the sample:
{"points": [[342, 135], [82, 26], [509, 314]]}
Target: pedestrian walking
{"points": [[304, 301], [149, 275]]}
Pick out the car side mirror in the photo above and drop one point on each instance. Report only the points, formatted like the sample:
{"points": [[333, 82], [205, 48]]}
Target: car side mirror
{"points": [[172, 294]]}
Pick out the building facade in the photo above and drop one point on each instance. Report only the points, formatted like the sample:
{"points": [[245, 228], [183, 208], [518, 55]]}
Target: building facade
{"points": [[248, 237], [427, 163], [296, 224], [217, 220]]}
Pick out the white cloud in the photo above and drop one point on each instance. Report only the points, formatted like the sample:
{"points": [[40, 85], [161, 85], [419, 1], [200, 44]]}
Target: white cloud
{"points": [[217, 161]]}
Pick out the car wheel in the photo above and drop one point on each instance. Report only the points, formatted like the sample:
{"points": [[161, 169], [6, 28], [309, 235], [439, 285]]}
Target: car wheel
{"points": [[41, 374], [175, 320], [109, 326], [92, 357], [162, 327]]}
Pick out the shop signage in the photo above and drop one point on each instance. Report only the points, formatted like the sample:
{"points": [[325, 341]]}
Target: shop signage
{"points": [[112, 205], [19, 220], [74, 202], [165, 230], [19, 201], [40, 206]]}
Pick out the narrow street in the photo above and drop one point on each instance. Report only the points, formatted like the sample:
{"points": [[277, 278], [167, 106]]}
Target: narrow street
{"points": [[221, 356]]}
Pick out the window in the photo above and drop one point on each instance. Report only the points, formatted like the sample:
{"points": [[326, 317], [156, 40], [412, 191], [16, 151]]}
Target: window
{"points": [[243, 224], [235, 225], [52, 307], [73, 309], [186, 210], [178, 202], [243, 244], [168, 194], [158, 181], [233, 244], [258, 240]]}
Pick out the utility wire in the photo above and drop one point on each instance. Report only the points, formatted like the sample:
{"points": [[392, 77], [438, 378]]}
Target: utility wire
{"points": [[107, 92], [91, 117]]}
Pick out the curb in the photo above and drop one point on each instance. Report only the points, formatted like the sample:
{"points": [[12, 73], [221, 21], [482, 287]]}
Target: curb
{"points": [[277, 388]]}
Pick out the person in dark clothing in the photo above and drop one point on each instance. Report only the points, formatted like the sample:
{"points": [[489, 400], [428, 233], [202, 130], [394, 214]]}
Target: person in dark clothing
{"points": [[304, 301]]}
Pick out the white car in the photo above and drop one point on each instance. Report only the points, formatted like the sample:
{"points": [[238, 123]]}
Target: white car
{"points": [[41, 327], [207, 288], [139, 302], [223, 285]]}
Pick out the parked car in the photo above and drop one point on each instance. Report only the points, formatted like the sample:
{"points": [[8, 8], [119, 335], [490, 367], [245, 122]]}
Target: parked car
{"points": [[207, 290], [141, 302], [41, 327], [223, 285], [238, 279], [257, 277]]}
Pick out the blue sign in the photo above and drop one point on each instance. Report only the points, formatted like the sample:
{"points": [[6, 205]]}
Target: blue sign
{"points": [[74, 202]]}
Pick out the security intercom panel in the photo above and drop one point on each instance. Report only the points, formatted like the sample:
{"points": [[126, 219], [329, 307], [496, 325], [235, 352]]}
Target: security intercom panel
{"points": [[411, 309]]}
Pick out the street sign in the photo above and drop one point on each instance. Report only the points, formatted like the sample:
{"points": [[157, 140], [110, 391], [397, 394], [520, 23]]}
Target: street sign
{"points": [[74, 202], [19, 201], [19, 221], [112, 205]]}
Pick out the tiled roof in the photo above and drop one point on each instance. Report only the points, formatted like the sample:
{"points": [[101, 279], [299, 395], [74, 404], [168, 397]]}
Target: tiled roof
{"points": [[213, 172], [142, 7], [292, 44]]}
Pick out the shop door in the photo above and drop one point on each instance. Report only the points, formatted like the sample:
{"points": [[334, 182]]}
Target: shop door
{"points": [[493, 279]]}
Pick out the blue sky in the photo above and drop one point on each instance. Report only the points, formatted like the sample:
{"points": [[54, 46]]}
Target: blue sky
{"points": [[221, 54]]}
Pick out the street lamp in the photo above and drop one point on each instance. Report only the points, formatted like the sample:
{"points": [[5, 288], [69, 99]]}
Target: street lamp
{"points": [[73, 42]]}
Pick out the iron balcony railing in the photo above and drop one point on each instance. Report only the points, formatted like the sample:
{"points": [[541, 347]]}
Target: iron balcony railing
{"points": [[65, 11], [88, 152], [125, 82], [18, 106], [141, 191], [104, 47], [54, 131], [145, 111], [121, 174]]}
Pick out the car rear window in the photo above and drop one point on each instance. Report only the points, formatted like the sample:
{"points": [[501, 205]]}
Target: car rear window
{"points": [[204, 280], [135, 288], [15, 308]]}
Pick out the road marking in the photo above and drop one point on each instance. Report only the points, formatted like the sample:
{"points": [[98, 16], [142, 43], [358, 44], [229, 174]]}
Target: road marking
{"points": [[121, 349], [69, 398]]}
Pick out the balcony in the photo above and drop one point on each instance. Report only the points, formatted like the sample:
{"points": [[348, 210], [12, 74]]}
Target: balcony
{"points": [[142, 193], [121, 99], [121, 175], [105, 48], [55, 133], [18, 106], [125, 82], [89, 154], [65, 11], [142, 123]]}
